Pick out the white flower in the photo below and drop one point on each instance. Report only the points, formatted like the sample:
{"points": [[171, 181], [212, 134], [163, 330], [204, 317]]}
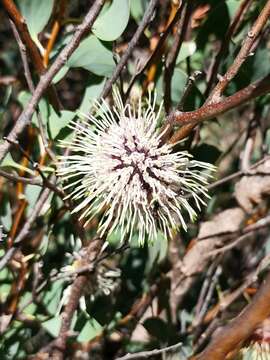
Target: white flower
{"points": [[119, 167]]}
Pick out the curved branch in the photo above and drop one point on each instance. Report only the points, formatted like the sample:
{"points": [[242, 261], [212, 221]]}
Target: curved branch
{"points": [[175, 48], [241, 327], [143, 24], [46, 79], [209, 111], [242, 55], [223, 50], [77, 290], [33, 51]]}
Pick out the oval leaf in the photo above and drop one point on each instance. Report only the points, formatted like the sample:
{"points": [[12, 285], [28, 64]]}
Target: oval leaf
{"points": [[57, 123], [92, 92], [89, 331], [179, 80], [92, 55], [188, 48], [111, 24], [36, 14]]}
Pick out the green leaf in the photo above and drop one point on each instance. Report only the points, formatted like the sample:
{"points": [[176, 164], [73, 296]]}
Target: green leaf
{"points": [[93, 56], [53, 325], [137, 9], [232, 6], [57, 123], [187, 49], [115, 237], [7, 95], [53, 296], [44, 108], [32, 193], [26, 299], [179, 80], [157, 251], [90, 330], [37, 14], [261, 64], [9, 162], [5, 283], [111, 24], [61, 73], [92, 92]]}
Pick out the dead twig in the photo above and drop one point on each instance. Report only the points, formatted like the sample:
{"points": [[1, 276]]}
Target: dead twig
{"points": [[155, 54], [209, 111], [46, 79], [242, 55], [240, 328], [77, 290], [31, 87], [148, 15], [171, 58], [149, 354], [211, 76], [55, 30], [215, 96], [34, 53]]}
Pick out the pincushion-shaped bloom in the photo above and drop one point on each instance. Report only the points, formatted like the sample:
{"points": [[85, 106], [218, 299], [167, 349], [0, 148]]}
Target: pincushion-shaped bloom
{"points": [[119, 167]]}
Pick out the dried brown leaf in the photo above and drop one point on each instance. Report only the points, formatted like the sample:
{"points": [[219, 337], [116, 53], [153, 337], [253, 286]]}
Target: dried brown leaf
{"points": [[213, 234], [252, 188]]}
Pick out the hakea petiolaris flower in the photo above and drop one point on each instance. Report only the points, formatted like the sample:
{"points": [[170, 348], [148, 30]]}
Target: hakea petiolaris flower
{"points": [[257, 346], [119, 167]]}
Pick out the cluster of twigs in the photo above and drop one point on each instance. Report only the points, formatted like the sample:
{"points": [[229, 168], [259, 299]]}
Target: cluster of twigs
{"points": [[178, 124]]}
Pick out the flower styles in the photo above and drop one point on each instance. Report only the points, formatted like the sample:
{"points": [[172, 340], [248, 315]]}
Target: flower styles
{"points": [[120, 168]]}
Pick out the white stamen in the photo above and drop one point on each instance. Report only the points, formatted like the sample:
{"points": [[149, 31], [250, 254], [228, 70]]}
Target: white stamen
{"points": [[119, 166]]}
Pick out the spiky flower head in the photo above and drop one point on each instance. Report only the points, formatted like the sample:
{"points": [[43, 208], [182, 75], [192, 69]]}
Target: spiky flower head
{"points": [[119, 167]]}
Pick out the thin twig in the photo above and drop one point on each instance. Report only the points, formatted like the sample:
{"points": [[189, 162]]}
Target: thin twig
{"points": [[247, 232], [188, 88], [171, 58], [26, 228], [240, 328], [89, 267], [211, 77], [55, 30], [78, 288], [208, 297], [199, 256], [7, 257], [242, 55], [17, 178], [209, 111], [136, 312], [155, 53], [237, 174], [150, 353], [148, 15], [205, 289], [215, 96], [34, 53], [31, 87], [46, 79], [226, 301], [33, 216]]}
